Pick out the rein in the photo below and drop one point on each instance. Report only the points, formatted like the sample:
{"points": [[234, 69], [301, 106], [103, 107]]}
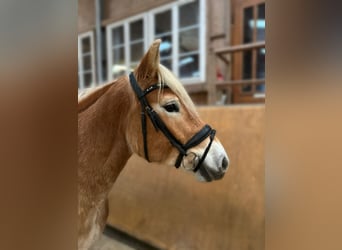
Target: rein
{"points": [[158, 124]]}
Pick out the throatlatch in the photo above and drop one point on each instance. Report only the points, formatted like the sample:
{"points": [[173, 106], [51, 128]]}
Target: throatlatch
{"points": [[157, 122]]}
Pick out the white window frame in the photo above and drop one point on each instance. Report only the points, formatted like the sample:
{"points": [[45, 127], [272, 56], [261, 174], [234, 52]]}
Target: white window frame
{"points": [[81, 72], [127, 41], [149, 25]]}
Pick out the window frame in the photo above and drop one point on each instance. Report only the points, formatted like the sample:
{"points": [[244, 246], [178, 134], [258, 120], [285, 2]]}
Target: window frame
{"points": [[81, 73], [149, 26]]}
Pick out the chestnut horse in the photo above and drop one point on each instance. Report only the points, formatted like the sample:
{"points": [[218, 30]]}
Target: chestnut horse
{"points": [[147, 113]]}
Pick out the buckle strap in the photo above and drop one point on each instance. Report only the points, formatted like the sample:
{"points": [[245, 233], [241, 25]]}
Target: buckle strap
{"points": [[198, 137], [212, 136]]}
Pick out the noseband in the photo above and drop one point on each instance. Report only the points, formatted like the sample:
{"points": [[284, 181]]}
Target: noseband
{"points": [[158, 124]]}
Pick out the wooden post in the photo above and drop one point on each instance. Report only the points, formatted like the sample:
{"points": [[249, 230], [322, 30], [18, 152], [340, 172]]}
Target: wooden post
{"points": [[211, 61], [211, 73]]}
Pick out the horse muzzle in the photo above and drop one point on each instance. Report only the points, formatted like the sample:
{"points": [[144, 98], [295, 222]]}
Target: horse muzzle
{"points": [[215, 165]]}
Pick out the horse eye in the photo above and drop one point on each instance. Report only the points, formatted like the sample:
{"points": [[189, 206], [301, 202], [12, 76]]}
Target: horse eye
{"points": [[171, 107]]}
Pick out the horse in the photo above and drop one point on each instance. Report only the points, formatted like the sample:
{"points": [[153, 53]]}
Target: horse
{"points": [[147, 113]]}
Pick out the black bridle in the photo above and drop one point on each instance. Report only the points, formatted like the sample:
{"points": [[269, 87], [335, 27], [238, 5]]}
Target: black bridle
{"points": [[158, 124]]}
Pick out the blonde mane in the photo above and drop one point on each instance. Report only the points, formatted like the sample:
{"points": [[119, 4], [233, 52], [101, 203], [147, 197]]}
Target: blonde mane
{"points": [[166, 77]]}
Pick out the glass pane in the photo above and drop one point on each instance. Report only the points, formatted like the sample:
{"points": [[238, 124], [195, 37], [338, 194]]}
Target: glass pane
{"points": [[189, 66], [260, 25], [162, 22], [87, 62], [119, 66], [248, 25], [118, 36], [137, 50], [261, 69], [260, 88], [247, 65], [136, 30], [165, 47], [119, 56], [261, 63], [167, 63], [88, 79], [188, 40], [188, 14], [85, 44], [247, 88], [247, 69]]}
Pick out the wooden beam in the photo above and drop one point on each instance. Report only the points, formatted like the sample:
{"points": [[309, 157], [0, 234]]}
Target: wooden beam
{"points": [[238, 48], [222, 57], [225, 84]]}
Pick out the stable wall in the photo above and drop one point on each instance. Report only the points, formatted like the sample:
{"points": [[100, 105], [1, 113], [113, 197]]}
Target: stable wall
{"points": [[170, 209], [86, 16]]}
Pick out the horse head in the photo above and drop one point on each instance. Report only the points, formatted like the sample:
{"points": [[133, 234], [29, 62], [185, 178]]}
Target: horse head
{"points": [[164, 126]]}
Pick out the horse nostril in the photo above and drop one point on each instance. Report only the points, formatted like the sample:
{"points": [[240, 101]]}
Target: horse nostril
{"points": [[224, 163]]}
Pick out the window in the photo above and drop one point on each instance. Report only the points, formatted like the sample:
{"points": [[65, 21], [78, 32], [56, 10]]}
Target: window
{"points": [[180, 25], [254, 60], [182, 30], [126, 46], [86, 63]]}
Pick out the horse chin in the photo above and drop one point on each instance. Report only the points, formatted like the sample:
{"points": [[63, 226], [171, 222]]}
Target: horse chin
{"points": [[202, 178], [205, 175]]}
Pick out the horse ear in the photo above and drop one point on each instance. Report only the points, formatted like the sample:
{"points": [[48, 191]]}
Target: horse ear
{"points": [[149, 65]]}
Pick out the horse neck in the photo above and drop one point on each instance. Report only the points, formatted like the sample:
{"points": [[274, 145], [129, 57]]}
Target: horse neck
{"points": [[103, 150]]}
